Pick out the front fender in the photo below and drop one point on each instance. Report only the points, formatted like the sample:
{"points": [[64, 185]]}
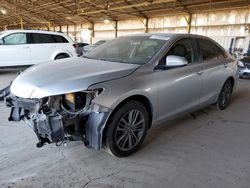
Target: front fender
{"points": [[97, 122], [116, 91]]}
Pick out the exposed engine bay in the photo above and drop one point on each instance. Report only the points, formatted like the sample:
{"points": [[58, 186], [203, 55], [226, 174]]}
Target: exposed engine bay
{"points": [[62, 118]]}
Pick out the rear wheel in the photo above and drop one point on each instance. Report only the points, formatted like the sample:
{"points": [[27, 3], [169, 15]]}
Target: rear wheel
{"points": [[127, 129], [225, 95], [61, 56]]}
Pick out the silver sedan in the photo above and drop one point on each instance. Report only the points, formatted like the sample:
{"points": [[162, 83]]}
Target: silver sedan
{"points": [[111, 97], [244, 67]]}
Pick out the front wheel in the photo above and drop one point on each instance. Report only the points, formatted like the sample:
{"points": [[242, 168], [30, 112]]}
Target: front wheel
{"points": [[127, 129], [225, 95]]}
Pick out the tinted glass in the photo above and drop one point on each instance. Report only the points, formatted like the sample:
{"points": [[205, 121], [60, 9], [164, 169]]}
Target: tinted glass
{"points": [[209, 50], [185, 48], [42, 38], [220, 53], [17, 38], [60, 39], [131, 49]]}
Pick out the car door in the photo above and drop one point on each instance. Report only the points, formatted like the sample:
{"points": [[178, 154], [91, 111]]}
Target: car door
{"points": [[214, 72], [62, 44], [14, 50], [179, 88], [43, 46]]}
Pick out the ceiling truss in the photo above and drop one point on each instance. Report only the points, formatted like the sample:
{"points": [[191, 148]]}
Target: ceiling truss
{"points": [[68, 12]]}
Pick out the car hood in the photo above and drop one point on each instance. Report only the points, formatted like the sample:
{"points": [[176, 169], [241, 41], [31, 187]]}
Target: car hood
{"points": [[66, 76]]}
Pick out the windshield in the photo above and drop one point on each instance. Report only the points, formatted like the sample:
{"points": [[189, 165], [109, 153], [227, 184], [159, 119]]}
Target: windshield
{"points": [[132, 49]]}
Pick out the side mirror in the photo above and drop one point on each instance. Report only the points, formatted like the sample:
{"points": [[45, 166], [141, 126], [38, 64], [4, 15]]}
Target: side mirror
{"points": [[1, 42], [175, 61]]}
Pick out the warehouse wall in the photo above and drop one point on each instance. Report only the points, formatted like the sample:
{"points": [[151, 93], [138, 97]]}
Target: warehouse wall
{"points": [[170, 24], [221, 26]]}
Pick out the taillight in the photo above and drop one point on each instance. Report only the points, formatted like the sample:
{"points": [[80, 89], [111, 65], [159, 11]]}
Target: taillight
{"points": [[74, 45]]}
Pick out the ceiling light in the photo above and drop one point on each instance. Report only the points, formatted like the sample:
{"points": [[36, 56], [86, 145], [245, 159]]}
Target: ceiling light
{"points": [[3, 11], [106, 21]]}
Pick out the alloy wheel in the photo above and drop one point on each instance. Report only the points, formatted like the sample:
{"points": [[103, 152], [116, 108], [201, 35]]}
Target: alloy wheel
{"points": [[129, 130], [225, 95]]}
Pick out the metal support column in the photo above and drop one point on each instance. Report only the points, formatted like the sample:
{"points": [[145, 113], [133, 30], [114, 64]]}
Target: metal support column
{"points": [[116, 29], [75, 39], [92, 34], [67, 29], [146, 25], [21, 23], [189, 22]]}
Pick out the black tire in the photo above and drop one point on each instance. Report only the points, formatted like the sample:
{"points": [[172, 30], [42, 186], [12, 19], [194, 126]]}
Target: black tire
{"points": [[225, 95], [123, 138], [61, 56]]}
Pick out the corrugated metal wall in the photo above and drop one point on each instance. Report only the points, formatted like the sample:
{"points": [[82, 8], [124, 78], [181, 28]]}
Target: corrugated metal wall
{"points": [[220, 25]]}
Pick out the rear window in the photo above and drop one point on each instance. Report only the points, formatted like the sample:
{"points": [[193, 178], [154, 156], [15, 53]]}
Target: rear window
{"points": [[209, 50], [60, 39], [46, 38], [41, 38]]}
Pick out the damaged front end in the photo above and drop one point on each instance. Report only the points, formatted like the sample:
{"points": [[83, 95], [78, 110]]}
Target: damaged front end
{"points": [[58, 119]]}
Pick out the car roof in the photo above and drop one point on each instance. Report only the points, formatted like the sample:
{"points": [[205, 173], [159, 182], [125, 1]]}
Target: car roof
{"points": [[31, 31], [170, 35]]}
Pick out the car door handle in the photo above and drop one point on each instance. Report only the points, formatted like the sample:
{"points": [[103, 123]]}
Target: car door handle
{"points": [[200, 73], [26, 47]]}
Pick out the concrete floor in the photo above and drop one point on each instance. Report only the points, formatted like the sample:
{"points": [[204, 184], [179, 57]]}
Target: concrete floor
{"points": [[212, 150]]}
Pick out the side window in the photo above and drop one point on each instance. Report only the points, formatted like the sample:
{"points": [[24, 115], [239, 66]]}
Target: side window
{"points": [[185, 48], [14, 39], [220, 53], [60, 39], [209, 50], [38, 38]]}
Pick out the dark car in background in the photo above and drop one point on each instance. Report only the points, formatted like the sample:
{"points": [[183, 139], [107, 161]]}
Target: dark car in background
{"points": [[244, 67], [88, 48], [79, 47]]}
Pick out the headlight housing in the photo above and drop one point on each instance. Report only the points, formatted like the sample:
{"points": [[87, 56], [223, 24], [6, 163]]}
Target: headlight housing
{"points": [[80, 100], [240, 64]]}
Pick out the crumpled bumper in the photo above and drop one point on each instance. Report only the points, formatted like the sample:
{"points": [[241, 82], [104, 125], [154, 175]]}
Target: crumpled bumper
{"points": [[51, 127]]}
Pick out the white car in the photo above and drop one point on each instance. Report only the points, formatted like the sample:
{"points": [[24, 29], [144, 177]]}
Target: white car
{"points": [[29, 47]]}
